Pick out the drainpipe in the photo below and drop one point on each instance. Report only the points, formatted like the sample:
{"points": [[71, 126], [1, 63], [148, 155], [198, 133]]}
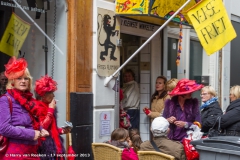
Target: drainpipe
{"points": [[108, 79], [220, 77]]}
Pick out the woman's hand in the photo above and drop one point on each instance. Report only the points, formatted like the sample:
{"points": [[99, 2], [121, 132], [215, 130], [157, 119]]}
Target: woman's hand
{"points": [[149, 114], [44, 133], [66, 130], [171, 119], [180, 124], [37, 135], [145, 108], [52, 104]]}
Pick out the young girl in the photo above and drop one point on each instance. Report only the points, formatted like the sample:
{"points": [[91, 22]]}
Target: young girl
{"points": [[135, 138], [120, 138]]}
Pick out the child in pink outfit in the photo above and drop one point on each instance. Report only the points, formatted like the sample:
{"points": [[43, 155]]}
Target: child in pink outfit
{"points": [[120, 138]]}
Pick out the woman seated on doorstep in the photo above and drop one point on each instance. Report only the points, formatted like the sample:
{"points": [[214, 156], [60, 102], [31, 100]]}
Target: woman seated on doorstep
{"points": [[230, 120], [158, 98], [120, 138], [210, 108], [182, 110], [134, 135]]}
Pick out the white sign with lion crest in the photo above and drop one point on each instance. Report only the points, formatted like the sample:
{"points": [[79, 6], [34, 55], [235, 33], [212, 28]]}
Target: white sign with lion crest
{"points": [[108, 54]]}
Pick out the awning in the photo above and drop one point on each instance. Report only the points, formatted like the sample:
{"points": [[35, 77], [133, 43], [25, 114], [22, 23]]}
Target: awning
{"points": [[154, 11]]}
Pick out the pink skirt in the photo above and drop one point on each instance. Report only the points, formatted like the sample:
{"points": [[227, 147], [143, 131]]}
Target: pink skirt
{"points": [[18, 151]]}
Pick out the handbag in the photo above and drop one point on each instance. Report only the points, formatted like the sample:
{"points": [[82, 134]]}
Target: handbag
{"points": [[190, 151], [124, 121], [4, 140], [213, 132]]}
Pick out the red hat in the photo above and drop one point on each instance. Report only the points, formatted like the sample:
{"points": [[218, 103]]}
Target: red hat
{"points": [[185, 86], [15, 67], [45, 84]]}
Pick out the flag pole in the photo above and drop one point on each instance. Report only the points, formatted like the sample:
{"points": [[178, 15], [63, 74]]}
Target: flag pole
{"points": [[108, 79]]}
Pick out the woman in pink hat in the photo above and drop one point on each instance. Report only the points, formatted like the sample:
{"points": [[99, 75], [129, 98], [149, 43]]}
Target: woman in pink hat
{"points": [[182, 110]]}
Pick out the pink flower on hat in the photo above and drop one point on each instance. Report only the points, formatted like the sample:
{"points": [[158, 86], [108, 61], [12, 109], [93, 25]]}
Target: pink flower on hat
{"points": [[15, 67], [45, 84]]}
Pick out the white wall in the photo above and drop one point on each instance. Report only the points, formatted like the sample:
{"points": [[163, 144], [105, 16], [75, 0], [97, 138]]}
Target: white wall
{"points": [[234, 6], [226, 53], [103, 97]]}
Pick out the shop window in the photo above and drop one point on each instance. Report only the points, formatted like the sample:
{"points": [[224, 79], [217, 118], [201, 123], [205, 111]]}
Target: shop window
{"points": [[38, 46], [235, 58], [49, 27], [195, 64]]}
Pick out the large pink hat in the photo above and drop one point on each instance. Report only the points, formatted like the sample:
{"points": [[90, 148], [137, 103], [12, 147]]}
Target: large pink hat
{"points": [[15, 67], [185, 86]]}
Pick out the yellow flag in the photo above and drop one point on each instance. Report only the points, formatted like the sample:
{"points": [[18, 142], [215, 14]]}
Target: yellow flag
{"points": [[14, 36], [213, 27]]}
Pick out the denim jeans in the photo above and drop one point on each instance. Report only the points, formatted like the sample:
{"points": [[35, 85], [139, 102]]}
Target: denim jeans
{"points": [[134, 117]]}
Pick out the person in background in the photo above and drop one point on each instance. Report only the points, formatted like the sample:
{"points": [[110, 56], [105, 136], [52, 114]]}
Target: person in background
{"points": [[44, 92], [171, 84], [131, 98], [21, 127], [3, 83], [182, 110], [210, 108], [158, 98], [159, 129], [120, 138], [230, 120], [135, 138]]}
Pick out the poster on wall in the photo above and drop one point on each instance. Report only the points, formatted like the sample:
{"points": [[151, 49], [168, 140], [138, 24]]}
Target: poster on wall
{"points": [[108, 54], [105, 124]]}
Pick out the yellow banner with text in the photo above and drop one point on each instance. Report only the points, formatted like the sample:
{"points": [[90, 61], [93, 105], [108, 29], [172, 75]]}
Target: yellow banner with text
{"points": [[14, 35], [213, 27]]}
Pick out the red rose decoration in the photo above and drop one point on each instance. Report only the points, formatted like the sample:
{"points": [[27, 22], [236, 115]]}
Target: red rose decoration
{"points": [[45, 84], [15, 67]]}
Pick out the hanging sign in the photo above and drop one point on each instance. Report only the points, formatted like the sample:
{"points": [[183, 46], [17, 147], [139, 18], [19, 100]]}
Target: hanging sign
{"points": [[14, 36], [213, 27], [108, 37]]}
